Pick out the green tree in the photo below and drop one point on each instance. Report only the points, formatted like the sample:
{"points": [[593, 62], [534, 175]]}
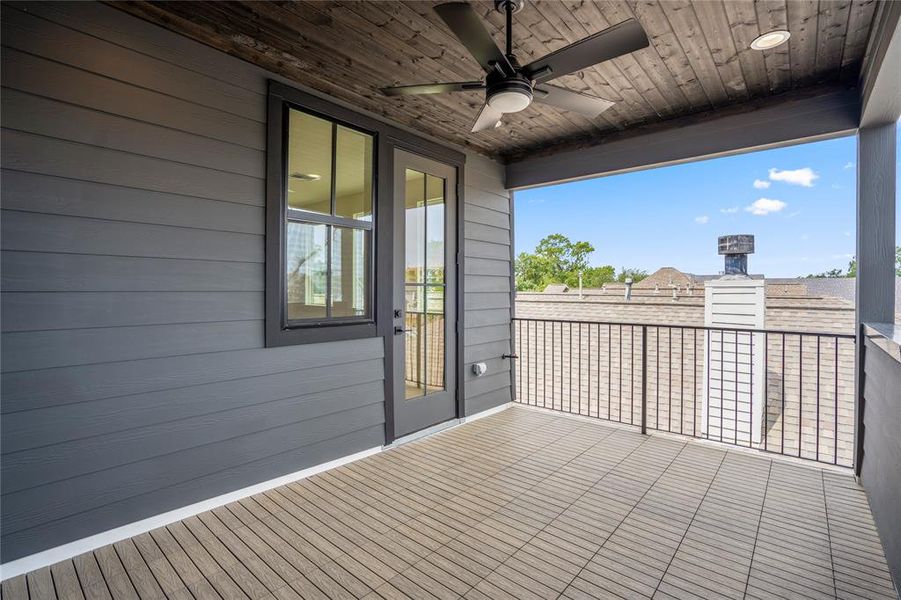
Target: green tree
{"points": [[852, 268], [635, 275], [831, 274], [595, 277], [557, 259]]}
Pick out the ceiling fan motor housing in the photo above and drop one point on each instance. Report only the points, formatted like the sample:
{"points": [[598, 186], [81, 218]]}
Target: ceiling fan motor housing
{"points": [[516, 5], [509, 94]]}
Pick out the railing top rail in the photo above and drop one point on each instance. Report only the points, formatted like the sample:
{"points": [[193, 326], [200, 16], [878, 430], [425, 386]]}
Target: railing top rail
{"points": [[847, 336]]}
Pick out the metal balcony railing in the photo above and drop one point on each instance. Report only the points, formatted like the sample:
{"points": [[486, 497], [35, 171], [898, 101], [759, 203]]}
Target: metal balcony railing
{"points": [[788, 392]]}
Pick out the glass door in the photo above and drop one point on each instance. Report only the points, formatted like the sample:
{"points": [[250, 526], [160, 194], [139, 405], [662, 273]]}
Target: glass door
{"points": [[425, 317]]}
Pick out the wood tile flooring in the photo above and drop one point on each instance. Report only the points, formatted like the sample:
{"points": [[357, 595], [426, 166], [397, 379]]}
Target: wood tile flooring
{"points": [[523, 504]]}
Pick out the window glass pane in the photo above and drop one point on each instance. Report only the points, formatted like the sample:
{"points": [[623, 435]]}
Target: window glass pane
{"points": [[414, 341], [353, 174], [309, 162], [307, 267], [435, 229], [434, 335], [350, 268], [415, 227]]}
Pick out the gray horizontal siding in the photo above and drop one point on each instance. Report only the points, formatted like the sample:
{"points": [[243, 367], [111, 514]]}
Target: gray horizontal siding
{"points": [[34, 153], [487, 233], [881, 457], [66, 83], [134, 375], [37, 311], [29, 192], [214, 483], [54, 272], [31, 390]]}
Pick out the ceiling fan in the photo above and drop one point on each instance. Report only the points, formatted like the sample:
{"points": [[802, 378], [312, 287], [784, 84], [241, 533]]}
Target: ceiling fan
{"points": [[511, 87]]}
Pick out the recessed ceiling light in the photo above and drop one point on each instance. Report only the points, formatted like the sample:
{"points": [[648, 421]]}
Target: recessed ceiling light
{"points": [[770, 39], [306, 176]]}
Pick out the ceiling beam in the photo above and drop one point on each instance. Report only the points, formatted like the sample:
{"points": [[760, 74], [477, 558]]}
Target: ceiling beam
{"points": [[806, 115], [880, 77]]}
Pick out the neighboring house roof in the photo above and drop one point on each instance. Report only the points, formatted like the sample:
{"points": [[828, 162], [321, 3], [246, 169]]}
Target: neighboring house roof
{"points": [[665, 277], [821, 303]]}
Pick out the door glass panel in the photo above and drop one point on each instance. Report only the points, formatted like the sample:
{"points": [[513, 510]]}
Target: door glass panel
{"points": [[434, 229], [307, 270], [309, 163], [424, 319], [415, 227], [350, 266], [434, 326], [414, 338], [353, 174]]}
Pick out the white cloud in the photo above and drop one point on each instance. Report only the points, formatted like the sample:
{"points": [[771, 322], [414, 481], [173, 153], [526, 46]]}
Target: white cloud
{"points": [[702, 219], [842, 256], [765, 206], [793, 214], [804, 177], [729, 211], [761, 184], [847, 234], [849, 165]]}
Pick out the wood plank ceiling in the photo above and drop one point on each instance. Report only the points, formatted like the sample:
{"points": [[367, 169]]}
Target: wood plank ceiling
{"points": [[699, 58]]}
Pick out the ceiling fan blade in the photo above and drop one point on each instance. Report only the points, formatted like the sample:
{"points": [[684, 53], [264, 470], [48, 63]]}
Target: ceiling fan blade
{"points": [[432, 88], [620, 39], [469, 29], [570, 100], [487, 119]]}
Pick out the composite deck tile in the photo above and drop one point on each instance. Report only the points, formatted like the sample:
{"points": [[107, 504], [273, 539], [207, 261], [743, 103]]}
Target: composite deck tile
{"points": [[65, 580], [40, 584], [520, 505], [137, 570]]}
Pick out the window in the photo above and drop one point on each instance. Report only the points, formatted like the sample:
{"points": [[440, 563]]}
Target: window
{"points": [[324, 198], [329, 221], [327, 170]]}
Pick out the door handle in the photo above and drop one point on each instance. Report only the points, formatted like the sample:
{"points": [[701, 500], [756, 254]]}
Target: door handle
{"points": [[398, 330]]}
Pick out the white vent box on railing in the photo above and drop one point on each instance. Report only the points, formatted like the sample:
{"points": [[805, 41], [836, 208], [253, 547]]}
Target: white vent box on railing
{"points": [[734, 370]]}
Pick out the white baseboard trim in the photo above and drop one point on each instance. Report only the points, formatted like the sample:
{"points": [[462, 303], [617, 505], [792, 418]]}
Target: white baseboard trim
{"points": [[66, 551]]}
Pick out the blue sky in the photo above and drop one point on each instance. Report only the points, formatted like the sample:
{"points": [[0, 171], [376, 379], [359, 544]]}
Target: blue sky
{"points": [[801, 211]]}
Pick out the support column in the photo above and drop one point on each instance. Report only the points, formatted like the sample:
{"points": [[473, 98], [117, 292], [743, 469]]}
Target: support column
{"points": [[875, 281]]}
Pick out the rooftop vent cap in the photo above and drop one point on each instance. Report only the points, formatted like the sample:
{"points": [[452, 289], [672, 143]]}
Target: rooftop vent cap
{"points": [[736, 249]]}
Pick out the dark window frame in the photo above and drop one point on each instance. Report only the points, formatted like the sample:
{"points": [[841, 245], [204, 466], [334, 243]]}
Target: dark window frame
{"points": [[388, 139], [280, 331]]}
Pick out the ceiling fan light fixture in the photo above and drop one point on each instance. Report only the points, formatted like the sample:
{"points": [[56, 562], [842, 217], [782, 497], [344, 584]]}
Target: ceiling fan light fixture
{"points": [[770, 39], [509, 95], [510, 101]]}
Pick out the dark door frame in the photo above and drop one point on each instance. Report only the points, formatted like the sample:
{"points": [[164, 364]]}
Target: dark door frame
{"points": [[457, 160], [432, 409]]}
